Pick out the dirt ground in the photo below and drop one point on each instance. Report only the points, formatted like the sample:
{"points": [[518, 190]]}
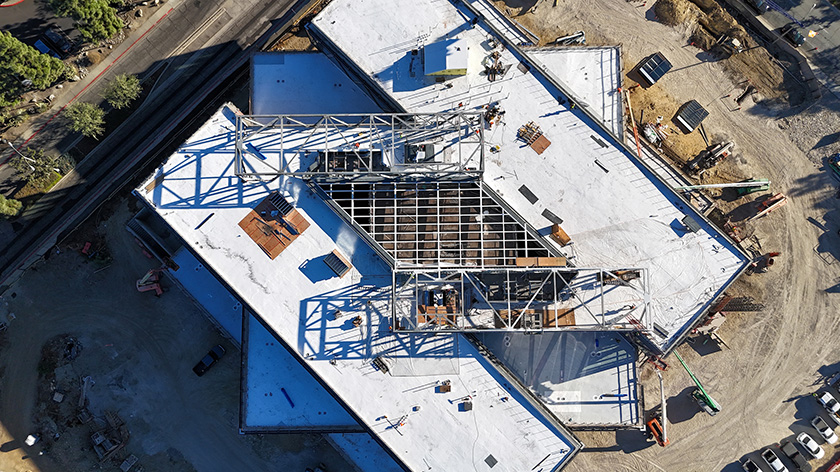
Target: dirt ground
{"points": [[778, 356], [139, 351]]}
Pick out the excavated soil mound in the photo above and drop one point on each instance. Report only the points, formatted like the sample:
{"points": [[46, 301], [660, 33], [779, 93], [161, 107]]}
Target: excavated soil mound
{"points": [[702, 39], [675, 12], [717, 21]]}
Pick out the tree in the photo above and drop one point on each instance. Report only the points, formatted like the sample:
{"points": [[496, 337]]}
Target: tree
{"points": [[87, 119], [20, 62], [37, 168], [123, 90], [95, 19], [9, 207]]}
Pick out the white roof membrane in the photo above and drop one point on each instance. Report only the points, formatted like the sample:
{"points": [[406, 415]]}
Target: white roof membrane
{"points": [[616, 211], [298, 296]]}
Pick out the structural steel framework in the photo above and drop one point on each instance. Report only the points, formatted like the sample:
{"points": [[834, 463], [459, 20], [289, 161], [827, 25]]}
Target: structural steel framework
{"points": [[437, 223], [520, 299], [348, 145]]}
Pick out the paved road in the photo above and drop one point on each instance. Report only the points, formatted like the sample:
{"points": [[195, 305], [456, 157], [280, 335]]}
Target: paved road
{"points": [[29, 19], [823, 49], [221, 33]]}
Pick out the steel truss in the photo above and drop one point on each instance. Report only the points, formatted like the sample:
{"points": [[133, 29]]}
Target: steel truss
{"points": [[435, 223], [518, 299], [358, 145]]}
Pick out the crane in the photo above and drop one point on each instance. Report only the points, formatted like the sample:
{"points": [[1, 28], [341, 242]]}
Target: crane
{"points": [[659, 429], [706, 402]]}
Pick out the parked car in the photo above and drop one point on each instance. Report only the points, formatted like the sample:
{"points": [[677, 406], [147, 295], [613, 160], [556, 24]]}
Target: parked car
{"points": [[792, 34], [58, 41], [43, 48], [773, 460], [810, 445], [749, 466], [824, 429], [208, 361], [790, 450], [828, 401]]}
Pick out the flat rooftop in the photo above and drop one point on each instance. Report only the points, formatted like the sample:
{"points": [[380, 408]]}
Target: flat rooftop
{"points": [[615, 210], [338, 326], [587, 379], [274, 88], [594, 73]]}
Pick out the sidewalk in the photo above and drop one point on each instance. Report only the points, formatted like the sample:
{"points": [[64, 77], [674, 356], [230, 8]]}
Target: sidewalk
{"points": [[72, 91]]}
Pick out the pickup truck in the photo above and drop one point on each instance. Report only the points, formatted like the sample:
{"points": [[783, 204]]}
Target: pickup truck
{"points": [[830, 404], [795, 456]]}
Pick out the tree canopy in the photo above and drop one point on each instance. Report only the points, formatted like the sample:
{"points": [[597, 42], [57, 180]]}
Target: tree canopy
{"points": [[95, 19], [123, 90], [38, 168], [19, 62], [86, 118], [9, 207]]}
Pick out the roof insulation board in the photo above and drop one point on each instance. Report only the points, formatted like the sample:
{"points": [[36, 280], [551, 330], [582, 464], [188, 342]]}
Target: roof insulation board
{"points": [[448, 55]]}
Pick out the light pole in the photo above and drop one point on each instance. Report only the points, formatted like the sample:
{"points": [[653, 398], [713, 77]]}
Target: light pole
{"points": [[19, 153]]}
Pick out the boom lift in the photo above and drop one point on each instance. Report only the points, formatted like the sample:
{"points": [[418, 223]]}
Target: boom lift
{"points": [[706, 402]]}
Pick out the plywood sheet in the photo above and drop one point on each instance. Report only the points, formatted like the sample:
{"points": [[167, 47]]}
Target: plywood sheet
{"points": [[269, 230]]}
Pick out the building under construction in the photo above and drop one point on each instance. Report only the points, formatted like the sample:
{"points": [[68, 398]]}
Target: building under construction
{"points": [[443, 232]]}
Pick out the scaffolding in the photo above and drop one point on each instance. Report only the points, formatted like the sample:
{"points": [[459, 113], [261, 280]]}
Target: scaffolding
{"points": [[533, 299], [352, 146]]}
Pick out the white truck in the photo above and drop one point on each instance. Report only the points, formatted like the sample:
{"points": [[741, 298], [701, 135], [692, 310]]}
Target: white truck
{"points": [[830, 404]]}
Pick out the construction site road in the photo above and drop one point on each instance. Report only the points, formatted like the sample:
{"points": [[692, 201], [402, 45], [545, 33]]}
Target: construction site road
{"points": [[139, 351], [194, 72], [778, 356]]}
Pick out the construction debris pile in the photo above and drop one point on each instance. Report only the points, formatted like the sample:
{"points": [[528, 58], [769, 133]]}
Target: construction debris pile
{"points": [[64, 422]]}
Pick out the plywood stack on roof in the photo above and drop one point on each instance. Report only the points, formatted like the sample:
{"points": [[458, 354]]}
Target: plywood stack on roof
{"points": [[271, 230]]}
